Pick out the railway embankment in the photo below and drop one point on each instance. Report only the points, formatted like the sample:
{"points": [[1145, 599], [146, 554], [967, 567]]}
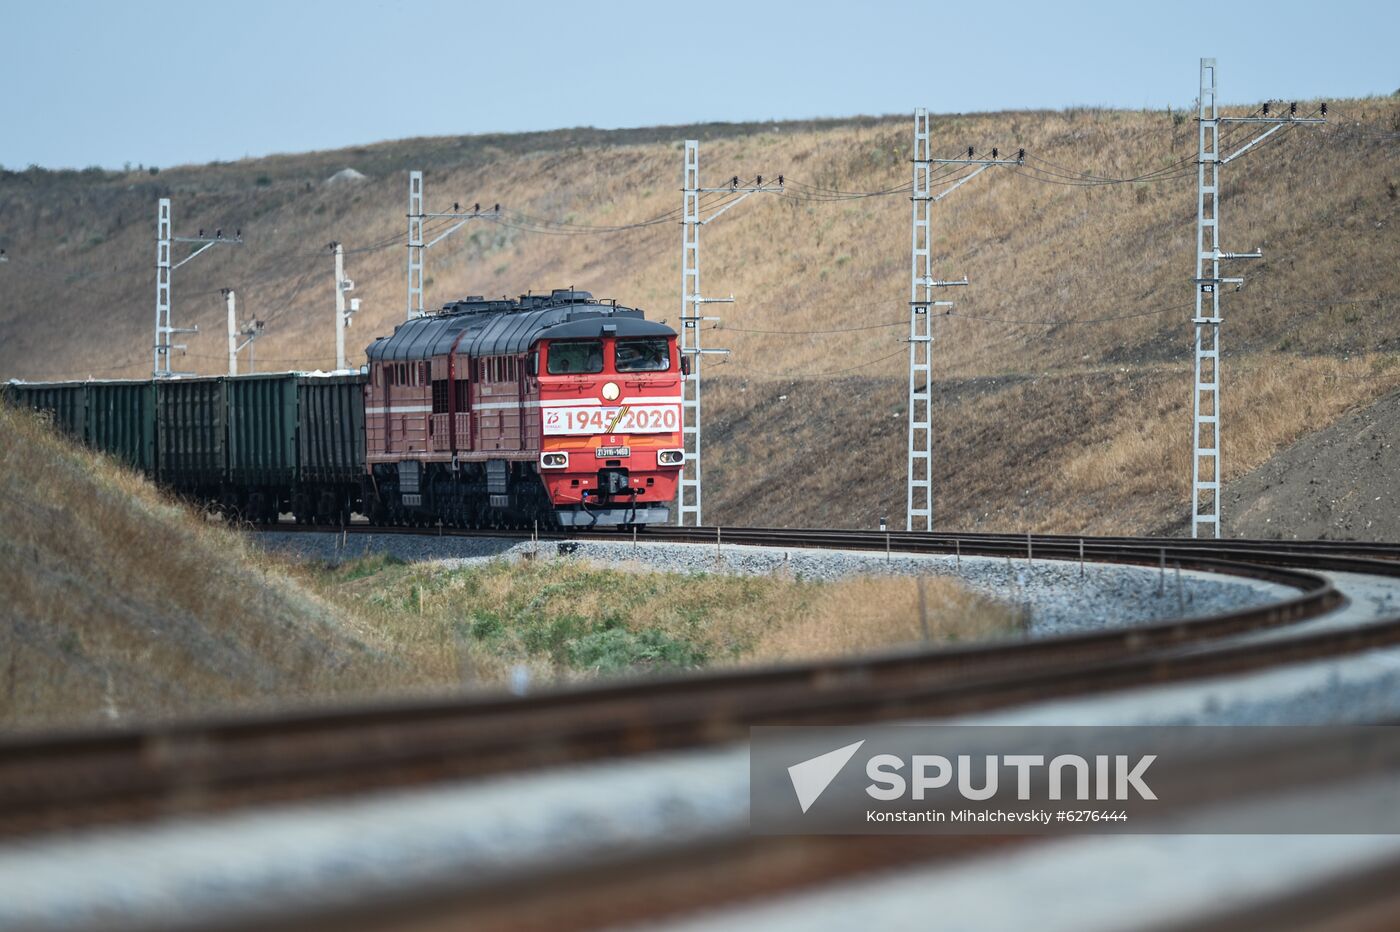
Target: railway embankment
{"points": [[117, 602], [1047, 596]]}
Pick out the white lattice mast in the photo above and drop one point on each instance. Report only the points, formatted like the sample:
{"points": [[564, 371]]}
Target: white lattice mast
{"points": [[689, 494], [165, 269], [160, 364], [1205, 395], [919, 468], [919, 464], [418, 248], [688, 502]]}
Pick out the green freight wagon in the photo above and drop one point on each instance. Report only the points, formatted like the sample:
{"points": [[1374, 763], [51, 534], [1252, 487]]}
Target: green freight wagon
{"points": [[331, 416], [192, 435], [256, 444], [262, 431], [330, 447], [65, 402], [121, 421]]}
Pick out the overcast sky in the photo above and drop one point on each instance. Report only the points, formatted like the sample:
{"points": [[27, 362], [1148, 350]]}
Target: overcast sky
{"points": [[105, 83]]}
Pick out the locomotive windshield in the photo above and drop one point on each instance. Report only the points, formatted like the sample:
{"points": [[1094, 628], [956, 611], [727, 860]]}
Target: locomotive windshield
{"points": [[643, 356], [584, 356]]}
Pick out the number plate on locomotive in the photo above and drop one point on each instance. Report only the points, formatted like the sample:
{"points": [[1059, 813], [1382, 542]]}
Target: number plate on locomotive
{"points": [[585, 420], [604, 452]]}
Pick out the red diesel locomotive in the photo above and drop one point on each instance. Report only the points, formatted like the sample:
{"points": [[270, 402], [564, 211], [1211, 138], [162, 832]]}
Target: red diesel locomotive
{"points": [[561, 409]]}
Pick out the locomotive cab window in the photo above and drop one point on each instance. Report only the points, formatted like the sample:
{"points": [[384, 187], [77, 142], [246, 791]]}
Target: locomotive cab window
{"points": [[643, 356], [585, 356]]}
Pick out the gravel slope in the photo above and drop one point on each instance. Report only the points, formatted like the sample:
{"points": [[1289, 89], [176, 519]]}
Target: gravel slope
{"points": [[1338, 483]]}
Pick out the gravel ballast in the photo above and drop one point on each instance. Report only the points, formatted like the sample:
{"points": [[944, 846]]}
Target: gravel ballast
{"points": [[1056, 596]]}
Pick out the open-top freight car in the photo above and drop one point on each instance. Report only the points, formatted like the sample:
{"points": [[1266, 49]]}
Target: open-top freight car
{"points": [[258, 445], [116, 417]]}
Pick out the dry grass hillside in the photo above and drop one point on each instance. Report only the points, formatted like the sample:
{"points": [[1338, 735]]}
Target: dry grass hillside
{"points": [[1063, 372], [118, 603]]}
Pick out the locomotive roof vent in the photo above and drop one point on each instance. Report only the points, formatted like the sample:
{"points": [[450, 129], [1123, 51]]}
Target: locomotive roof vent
{"points": [[559, 297], [476, 304], [569, 296]]}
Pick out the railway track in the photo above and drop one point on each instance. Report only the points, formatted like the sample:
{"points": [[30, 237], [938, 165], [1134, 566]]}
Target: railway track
{"points": [[744, 870], [201, 766], [78, 780]]}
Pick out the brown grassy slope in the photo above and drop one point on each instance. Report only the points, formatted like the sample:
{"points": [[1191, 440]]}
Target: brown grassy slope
{"points": [[118, 602], [1043, 257], [1317, 200], [1096, 452]]}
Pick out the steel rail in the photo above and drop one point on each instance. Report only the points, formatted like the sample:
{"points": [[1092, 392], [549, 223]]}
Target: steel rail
{"points": [[665, 881], [205, 765], [995, 544]]}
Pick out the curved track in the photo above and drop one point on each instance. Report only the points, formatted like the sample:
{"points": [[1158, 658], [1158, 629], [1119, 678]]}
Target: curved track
{"points": [[198, 766], [77, 780]]}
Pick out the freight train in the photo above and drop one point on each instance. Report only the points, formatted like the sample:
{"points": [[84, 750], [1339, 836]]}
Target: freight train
{"points": [[560, 409]]}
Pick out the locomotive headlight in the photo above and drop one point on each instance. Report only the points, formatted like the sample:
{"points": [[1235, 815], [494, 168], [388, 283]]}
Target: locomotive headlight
{"points": [[554, 460], [611, 391], [670, 457]]}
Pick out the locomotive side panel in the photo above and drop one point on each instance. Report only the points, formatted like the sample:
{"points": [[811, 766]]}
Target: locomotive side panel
{"points": [[449, 424], [500, 403], [398, 405]]}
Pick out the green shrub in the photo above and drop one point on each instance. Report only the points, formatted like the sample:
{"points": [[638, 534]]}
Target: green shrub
{"points": [[609, 650]]}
